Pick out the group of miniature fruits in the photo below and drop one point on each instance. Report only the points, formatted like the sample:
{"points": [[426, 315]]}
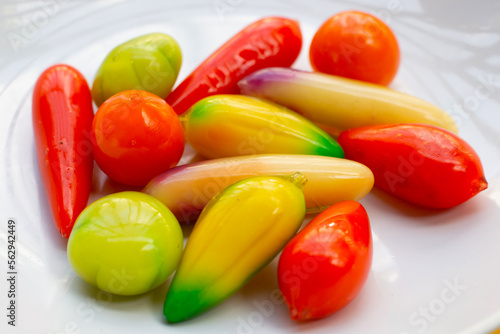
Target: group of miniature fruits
{"points": [[267, 132]]}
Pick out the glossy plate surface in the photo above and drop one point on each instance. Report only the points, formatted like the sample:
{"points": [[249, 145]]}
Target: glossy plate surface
{"points": [[433, 272]]}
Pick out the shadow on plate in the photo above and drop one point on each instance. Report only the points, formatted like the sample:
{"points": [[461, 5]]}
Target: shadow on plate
{"points": [[461, 211]]}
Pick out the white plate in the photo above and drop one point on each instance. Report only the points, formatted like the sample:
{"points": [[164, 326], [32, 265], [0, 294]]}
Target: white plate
{"points": [[449, 49]]}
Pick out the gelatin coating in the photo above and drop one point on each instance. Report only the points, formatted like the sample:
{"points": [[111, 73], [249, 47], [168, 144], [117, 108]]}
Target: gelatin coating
{"points": [[125, 243], [150, 62], [222, 126], [186, 189], [341, 103], [241, 230]]}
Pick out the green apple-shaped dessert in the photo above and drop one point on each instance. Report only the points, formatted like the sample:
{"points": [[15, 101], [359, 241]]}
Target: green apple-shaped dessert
{"points": [[150, 62], [125, 243]]}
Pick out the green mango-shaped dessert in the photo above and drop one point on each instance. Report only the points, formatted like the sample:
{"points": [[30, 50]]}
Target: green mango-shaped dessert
{"points": [[150, 62], [126, 243]]}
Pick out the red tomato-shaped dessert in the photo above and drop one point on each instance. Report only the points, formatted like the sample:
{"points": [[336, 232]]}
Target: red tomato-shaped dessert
{"points": [[136, 135], [356, 45]]}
